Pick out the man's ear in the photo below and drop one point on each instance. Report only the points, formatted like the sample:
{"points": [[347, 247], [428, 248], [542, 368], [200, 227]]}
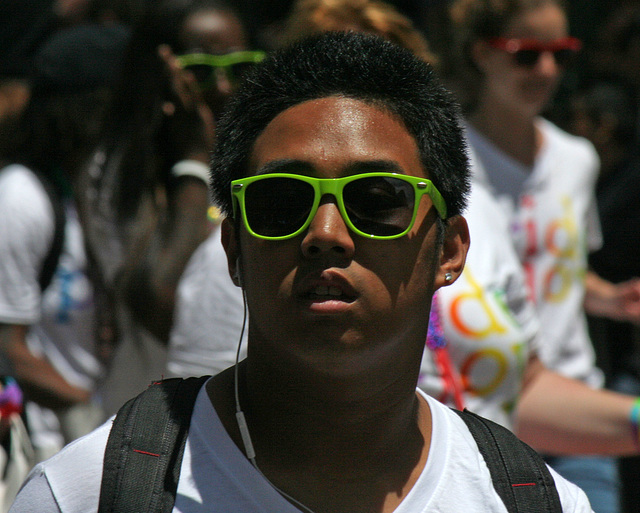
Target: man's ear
{"points": [[231, 246], [454, 251]]}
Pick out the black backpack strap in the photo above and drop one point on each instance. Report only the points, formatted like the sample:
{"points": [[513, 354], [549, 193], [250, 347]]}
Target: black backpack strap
{"points": [[519, 474], [50, 263], [145, 448]]}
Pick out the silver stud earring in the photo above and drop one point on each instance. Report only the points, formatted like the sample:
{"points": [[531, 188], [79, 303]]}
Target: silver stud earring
{"points": [[448, 277]]}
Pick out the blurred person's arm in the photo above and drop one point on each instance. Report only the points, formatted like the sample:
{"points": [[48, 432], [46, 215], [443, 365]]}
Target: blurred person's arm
{"points": [[617, 301], [156, 261], [150, 277], [39, 380], [559, 415]]}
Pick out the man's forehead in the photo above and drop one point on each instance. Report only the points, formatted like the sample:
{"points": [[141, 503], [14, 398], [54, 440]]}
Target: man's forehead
{"points": [[334, 129]]}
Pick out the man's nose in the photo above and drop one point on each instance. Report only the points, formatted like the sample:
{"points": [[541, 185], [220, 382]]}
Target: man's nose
{"points": [[328, 232]]}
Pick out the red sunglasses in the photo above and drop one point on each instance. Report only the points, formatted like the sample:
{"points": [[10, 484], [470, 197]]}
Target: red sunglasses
{"points": [[526, 52]]}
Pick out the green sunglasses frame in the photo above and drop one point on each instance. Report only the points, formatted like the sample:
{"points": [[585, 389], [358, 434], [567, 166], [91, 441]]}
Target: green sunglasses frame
{"points": [[334, 187], [220, 61]]}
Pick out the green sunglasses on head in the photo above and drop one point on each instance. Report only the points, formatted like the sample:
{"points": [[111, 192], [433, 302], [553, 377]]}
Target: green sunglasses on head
{"points": [[379, 205], [204, 66]]}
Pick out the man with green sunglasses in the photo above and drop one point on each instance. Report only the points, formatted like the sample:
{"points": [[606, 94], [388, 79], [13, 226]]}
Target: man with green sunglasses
{"points": [[342, 169]]}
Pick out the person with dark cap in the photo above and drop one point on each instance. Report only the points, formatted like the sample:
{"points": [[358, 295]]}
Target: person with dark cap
{"points": [[25, 25], [47, 305]]}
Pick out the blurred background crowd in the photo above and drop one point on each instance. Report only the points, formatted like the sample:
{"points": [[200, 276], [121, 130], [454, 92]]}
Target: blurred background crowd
{"points": [[111, 271]]}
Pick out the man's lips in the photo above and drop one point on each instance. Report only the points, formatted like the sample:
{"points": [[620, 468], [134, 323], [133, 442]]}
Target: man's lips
{"points": [[328, 293], [334, 289], [325, 290]]}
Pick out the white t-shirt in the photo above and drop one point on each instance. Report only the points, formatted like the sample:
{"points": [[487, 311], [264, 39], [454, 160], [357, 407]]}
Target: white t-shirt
{"points": [[208, 315], [216, 477], [553, 222], [487, 320], [26, 233], [61, 319]]}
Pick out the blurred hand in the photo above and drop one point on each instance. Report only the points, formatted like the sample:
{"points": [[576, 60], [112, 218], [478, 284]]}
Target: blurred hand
{"points": [[629, 299], [617, 301], [189, 123]]}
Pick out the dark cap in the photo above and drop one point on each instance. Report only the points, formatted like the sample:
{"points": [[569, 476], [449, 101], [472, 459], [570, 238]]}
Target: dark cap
{"points": [[81, 57]]}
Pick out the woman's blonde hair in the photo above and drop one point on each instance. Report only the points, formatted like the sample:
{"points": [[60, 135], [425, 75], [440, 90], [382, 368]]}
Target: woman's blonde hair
{"points": [[372, 16]]}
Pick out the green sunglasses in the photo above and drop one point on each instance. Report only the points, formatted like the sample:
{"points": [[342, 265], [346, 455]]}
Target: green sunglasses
{"points": [[377, 205], [204, 66]]}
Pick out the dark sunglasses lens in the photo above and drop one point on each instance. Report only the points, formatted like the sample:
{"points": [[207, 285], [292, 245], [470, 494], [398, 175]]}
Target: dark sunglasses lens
{"points": [[527, 57], [276, 207], [202, 72], [380, 206], [564, 56]]}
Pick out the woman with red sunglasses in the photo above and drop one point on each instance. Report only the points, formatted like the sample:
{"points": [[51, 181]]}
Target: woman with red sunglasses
{"points": [[516, 52]]}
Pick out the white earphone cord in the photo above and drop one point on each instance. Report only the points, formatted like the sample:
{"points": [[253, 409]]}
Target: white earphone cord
{"points": [[242, 422]]}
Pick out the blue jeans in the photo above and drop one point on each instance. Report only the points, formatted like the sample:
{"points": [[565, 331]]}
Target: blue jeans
{"points": [[596, 475]]}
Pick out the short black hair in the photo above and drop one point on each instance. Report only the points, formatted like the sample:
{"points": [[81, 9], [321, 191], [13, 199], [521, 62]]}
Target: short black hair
{"points": [[364, 67]]}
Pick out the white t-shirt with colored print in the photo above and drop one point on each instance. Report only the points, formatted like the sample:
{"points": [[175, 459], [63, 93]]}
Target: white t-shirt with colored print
{"points": [[487, 320], [60, 319], [553, 224]]}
